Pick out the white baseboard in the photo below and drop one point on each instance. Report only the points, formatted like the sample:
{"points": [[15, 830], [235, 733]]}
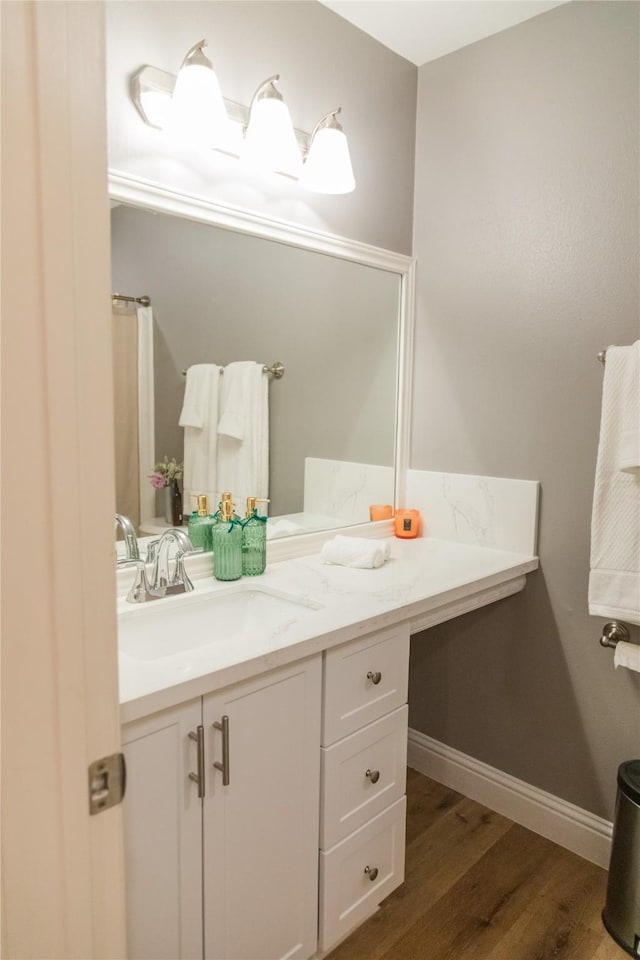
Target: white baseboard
{"points": [[550, 816]]}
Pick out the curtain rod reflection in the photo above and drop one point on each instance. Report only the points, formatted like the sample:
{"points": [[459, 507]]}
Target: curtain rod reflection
{"points": [[144, 301], [276, 370]]}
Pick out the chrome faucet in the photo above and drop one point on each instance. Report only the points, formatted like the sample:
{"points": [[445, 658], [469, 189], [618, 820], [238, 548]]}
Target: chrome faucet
{"points": [[162, 579], [130, 539], [163, 583]]}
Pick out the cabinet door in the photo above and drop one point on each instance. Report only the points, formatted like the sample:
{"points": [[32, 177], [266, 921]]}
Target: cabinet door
{"points": [[163, 837], [261, 830]]}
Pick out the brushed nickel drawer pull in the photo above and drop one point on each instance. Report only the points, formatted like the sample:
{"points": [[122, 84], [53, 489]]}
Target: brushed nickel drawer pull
{"points": [[373, 775], [372, 872], [224, 766], [374, 677], [198, 777]]}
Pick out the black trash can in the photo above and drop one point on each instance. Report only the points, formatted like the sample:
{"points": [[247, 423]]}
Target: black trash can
{"points": [[621, 914]]}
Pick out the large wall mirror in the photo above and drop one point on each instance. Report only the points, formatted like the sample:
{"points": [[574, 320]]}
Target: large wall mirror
{"points": [[226, 286]]}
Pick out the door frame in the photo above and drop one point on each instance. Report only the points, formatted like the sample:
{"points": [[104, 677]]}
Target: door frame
{"points": [[62, 869]]}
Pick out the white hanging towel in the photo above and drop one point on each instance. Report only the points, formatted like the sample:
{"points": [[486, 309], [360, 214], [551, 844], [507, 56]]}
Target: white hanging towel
{"points": [[243, 433], [199, 418], [614, 581]]}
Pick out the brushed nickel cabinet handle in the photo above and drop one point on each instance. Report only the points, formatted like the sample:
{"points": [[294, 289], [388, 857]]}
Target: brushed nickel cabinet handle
{"points": [[374, 677], [224, 766], [372, 872], [373, 775], [198, 777]]}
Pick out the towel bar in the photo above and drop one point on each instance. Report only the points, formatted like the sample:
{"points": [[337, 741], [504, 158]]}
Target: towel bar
{"points": [[613, 632], [276, 370], [145, 301]]}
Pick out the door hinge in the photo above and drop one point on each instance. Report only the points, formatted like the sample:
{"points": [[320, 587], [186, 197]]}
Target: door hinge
{"points": [[107, 781]]}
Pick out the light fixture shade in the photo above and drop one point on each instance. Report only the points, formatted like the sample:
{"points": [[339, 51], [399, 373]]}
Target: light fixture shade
{"points": [[270, 141], [327, 168], [197, 112]]}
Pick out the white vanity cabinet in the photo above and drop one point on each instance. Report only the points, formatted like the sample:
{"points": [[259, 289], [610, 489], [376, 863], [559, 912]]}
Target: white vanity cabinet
{"points": [[364, 756], [231, 875], [163, 836], [261, 831]]}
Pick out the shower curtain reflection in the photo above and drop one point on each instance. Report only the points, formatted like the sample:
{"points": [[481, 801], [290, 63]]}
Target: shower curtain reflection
{"points": [[125, 385], [133, 402]]}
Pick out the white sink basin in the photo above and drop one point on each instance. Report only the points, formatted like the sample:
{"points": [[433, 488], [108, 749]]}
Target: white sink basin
{"points": [[168, 627]]}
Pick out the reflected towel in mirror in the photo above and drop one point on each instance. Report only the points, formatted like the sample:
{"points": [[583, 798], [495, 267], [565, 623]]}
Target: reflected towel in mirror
{"points": [[199, 418], [243, 432]]}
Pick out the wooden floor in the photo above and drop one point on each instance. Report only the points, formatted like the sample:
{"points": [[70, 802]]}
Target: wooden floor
{"points": [[480, 887]]}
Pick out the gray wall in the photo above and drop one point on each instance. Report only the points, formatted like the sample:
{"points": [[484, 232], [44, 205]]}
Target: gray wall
{"points": [[324, 62], [220, 296], [526, 234]]}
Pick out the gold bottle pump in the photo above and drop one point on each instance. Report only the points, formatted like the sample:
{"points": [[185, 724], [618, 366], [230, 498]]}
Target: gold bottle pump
{"points": [[252, 503], [203, 504], [226, 508]]}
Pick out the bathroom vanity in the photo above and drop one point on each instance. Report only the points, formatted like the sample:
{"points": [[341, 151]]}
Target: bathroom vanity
{"points": [[265, 732]]}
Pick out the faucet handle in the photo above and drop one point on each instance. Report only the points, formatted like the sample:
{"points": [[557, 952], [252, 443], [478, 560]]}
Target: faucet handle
{"points": [[152, 550], [140, 590], [180, 582]]}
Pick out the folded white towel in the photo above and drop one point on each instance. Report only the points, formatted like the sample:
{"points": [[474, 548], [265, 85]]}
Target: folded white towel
{"points": [[243, 432], [199, 418], [630, 387], [357, 552], [614, 581], [195, 406]]}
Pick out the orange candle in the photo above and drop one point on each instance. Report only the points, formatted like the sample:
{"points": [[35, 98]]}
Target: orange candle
{"points": [[407, 523], [380, 511]]}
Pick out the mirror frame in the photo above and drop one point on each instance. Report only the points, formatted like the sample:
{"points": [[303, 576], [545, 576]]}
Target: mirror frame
{"points": [[135, 191]]}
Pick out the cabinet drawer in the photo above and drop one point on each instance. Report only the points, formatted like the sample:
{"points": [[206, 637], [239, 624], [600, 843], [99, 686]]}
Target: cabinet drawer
{"points": [[350, 797], [363, 680], [349, 887]]}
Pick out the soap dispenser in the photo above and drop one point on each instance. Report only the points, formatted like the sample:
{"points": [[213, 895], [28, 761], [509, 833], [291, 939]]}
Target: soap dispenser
{"points": [[227, 544], [254, 539], [201, 524]]}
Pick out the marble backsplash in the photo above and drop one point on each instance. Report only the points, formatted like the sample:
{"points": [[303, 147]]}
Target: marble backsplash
{"points": [[490, 512], [338, 488], [483, 511]]}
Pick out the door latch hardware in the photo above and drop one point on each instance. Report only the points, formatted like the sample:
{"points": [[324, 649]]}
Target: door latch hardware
{"points": [[107, 780]]}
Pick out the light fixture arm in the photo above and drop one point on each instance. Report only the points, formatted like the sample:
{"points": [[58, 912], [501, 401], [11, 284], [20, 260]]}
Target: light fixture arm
{"points": [[263, 91], [329, 120], [196, 55]]}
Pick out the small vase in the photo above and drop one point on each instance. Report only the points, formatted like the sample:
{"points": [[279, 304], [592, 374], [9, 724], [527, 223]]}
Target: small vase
{"points": [[167, 504], [176, 505]]}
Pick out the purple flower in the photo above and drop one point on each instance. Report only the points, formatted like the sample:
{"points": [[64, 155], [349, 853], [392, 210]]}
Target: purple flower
{"points": [[157, 480]]}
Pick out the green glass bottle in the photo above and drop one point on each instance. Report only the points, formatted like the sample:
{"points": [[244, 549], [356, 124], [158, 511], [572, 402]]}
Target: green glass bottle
{"points": [[254, 539], [227, 544], [201, 524]]}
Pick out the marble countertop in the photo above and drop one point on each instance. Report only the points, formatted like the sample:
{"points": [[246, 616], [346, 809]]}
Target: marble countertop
{"points": [[426, 581]]}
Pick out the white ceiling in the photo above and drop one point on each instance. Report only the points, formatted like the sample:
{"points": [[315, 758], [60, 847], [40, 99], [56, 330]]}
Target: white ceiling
{"points": [[423, 30]]}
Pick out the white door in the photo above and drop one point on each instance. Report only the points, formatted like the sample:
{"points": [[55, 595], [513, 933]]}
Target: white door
{"points": [[261, 830], [163, 836], [62, 869]]}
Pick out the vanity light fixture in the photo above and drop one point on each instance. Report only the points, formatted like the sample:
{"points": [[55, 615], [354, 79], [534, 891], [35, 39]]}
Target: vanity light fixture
{"points": [[192, 109], [269, 139], [197, 113], [327, 168]]}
